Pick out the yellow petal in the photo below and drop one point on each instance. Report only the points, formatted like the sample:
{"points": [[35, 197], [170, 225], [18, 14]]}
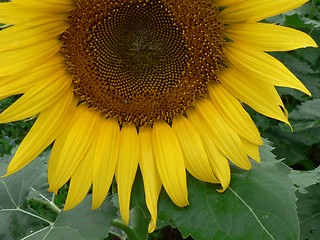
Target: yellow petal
{"points": [[253, 11], [24, 35], [21, 83], [13, 13], [106, 144], [261, 97], [38, 98], [170, 163], [127, 167], [269, 37], [233, 113], [223, 3], [226, 140], [81, 181], [16, 61], [251, 149], [71, 146], [196, 159], [218, 162], [50, 6], [261, 66], [151, 180], [44, 131]]}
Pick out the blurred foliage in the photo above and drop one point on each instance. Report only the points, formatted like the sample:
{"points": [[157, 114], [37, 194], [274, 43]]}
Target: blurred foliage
{"points": [[11, 134], [287, 190]]}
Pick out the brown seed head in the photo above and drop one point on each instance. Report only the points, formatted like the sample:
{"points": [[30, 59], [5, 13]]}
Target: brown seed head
{"points": [[143, 60]]}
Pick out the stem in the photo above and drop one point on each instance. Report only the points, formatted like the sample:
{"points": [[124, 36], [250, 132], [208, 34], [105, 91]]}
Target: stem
{"points": [[132, 235], [117, 235], [312, 9]]}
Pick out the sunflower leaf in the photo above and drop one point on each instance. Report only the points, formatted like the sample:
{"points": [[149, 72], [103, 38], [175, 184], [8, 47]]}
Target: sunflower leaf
{"points": [[79, 223], [306, 116], [16, 219], [309, 213], [301, 146], [139, 221], [304, 179], [19, 221], [259, 204]]}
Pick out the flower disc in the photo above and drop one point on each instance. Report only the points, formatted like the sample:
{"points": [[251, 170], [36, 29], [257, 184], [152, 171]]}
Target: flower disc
{"points": [[142, 61]]}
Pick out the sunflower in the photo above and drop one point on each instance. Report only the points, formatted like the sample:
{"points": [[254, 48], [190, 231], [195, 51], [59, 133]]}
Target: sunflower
{"points": [[158, 85]]}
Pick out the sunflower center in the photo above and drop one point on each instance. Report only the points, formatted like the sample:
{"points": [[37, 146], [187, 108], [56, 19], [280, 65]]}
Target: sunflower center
{"points": [[143, 60]]}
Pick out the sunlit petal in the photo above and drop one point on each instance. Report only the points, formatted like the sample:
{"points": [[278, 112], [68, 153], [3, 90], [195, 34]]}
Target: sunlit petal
{"points": [[233, 113], [219, 164], [195, 156], [257, 64], [252, 11], [45, 130], [126, 167], [37, 99], [71, 147], [151, 180], [170, 163], [106, 150], [269, 37], [230, 145]]}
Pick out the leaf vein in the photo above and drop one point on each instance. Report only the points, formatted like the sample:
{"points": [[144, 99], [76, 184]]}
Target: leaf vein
{"points": [[253, 213]]}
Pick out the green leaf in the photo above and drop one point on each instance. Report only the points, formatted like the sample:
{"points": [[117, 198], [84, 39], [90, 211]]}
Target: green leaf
{"points": [[139, 222], [295, 21], [306, 116], [309, 213], [19, 221], [297, 146], [16, 219], [304, 179], [259, 204], [293, 147], [79, 223]]}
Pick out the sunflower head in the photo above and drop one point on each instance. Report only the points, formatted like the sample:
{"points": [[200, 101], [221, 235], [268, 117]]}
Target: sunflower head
{"points": [[154, 84], [143, 61]]}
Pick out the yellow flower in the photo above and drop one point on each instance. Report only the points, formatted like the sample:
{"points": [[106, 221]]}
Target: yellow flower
{"points": [[155, 84]]}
